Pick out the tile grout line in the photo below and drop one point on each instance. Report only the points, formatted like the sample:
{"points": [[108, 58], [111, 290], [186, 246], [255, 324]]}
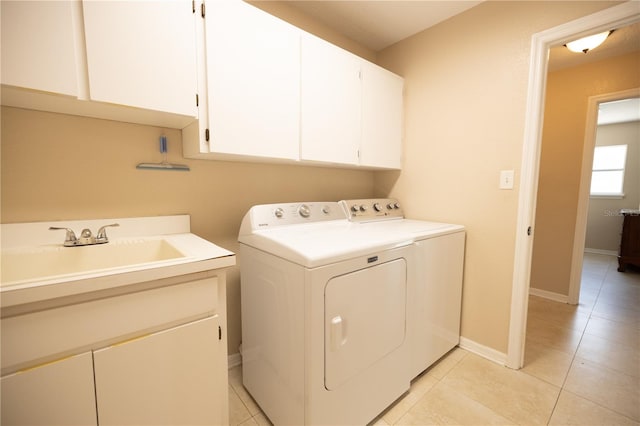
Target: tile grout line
{"points": [[573, 358]]}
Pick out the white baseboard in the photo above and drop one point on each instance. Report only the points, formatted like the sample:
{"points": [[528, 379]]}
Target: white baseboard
{"points": [[484, 351], [234, 360], [549, 295], [598, 251]]}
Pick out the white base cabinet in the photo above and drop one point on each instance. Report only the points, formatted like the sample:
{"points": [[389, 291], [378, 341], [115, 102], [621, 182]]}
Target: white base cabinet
{"points": [[166, 378], [155, 353], [58, 393]]}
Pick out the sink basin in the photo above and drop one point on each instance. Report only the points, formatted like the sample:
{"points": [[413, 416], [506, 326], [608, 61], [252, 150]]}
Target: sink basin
{"points": [[34, 263]]}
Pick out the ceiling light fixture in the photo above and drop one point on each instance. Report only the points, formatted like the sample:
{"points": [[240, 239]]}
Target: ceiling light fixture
{"points": [[586, 44]]}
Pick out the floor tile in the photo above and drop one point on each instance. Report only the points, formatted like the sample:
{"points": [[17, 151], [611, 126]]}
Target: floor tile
{"points": [[446, 363], [605, 387], [419, 388], [238, 413], [552, 335], [616, 356], [602, 309], [518, 397], [615, 331], [574, 410], [445, 406], [235, 379], [546, 363]]}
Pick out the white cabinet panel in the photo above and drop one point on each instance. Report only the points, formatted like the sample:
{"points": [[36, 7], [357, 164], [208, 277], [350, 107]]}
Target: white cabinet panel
{"points": [[381, 144], [330, 103], [170, 377], [57, 393], [253, 74], [38, 46], [142, 54]]}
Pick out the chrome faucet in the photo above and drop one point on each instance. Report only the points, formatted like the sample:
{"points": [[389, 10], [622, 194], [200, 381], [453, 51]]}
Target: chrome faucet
{"points": [[86, 237]]}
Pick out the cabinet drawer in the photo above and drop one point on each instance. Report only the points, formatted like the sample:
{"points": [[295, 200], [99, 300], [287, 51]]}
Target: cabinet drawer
{"points": [[38, 337]]}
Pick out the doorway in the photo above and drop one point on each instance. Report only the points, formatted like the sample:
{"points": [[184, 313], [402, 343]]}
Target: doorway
{"points": [[617, 16]]}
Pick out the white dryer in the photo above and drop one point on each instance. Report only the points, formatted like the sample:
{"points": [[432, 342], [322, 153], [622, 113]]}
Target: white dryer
{"points": [[437, 267], [324, 314]]}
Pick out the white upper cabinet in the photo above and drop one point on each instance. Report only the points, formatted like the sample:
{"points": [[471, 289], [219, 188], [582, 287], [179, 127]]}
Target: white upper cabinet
{"points": [[253, 74], [131, 61], [382, 108], [38, 46], [331, 103], [142, 54]]}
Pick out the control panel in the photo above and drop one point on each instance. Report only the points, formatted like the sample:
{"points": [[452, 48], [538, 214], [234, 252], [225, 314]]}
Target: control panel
{"points": [[372, 209], [269, 215]]}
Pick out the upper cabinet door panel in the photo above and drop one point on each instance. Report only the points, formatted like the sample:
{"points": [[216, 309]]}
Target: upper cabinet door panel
{"points": [[38, 46], [330, 104], [253, 75], [142, 54], [382, 107]]}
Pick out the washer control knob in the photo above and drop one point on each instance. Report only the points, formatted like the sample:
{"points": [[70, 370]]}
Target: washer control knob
{"points": [[354, 208], [396, 206], [390, 206], [377, 207], [363, 208], [326, 209], [304, 211], [279, 213]]}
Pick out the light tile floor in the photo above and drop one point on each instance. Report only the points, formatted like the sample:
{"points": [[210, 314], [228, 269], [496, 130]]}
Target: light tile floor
{"points": [[582, 367]]}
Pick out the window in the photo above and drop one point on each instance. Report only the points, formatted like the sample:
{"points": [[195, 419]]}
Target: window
{"points": [[607, 175]]}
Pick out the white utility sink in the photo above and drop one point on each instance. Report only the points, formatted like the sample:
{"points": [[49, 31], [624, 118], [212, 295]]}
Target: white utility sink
{"points": [[50, 261], [36, 266]]}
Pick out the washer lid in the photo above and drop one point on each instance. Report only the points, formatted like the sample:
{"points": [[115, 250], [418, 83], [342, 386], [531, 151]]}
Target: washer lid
{"points": [[321, 243]]}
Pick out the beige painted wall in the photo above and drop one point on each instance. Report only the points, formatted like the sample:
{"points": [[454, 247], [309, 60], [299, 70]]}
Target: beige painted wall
{"points": [[604, 222], [563, 136], [465, 99], [57, 167]]}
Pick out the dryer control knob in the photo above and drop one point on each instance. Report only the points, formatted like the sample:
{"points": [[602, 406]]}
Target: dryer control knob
{"points": [[326, 209], [363, 208], [279, 213], [304, 211], [390, 206], [354, 208], [377, 207], [396, 206]]}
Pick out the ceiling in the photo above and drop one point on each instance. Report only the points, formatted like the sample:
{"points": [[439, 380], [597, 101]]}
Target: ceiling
{"points": [[377, 24]]}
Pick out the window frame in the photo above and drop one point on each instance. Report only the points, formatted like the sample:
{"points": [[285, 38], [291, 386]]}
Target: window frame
{"points": [[594, 171]]}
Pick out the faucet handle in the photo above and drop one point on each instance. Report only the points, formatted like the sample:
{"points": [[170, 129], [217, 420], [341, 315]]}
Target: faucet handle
{"points": [[70, 238], [101, 237]]}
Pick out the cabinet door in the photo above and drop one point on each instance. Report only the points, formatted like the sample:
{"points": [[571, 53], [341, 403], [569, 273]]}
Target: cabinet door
{"points": [[381, 144], [38, 46], [330, 103], [142, 54], [58, 393], [167, 378], [253, 78]]}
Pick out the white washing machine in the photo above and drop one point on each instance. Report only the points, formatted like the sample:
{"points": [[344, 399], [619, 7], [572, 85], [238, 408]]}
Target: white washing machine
{"points": [[436, 295], [324, 314]]}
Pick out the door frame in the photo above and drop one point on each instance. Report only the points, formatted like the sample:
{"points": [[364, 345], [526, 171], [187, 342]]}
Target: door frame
{"points": [[585, 183], [613, 17]]}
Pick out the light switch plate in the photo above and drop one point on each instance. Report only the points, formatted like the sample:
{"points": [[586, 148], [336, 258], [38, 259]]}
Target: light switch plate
{"points": [[506, 179]]}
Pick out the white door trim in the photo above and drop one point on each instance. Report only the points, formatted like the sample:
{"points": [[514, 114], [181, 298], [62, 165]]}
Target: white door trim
{"points": [[613, 17], [585, 184]]}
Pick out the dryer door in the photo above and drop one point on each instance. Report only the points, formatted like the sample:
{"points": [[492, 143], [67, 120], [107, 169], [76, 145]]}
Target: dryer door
{"points": [[365, 314]]}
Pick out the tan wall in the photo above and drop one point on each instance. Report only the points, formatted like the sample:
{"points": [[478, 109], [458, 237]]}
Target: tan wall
{"points": [[57, 167], [604, 222], [465, 99], [563, 136]]}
